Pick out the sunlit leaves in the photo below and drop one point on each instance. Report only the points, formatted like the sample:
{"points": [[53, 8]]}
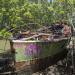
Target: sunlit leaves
{"points": [[3, 9], [50, 8], [28, 14], [4, 33], [20, 12], [71, 1], [61, 12]]}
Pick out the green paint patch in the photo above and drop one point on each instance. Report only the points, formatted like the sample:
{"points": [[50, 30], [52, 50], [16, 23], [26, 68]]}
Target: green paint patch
{"points": [[20, 55]]}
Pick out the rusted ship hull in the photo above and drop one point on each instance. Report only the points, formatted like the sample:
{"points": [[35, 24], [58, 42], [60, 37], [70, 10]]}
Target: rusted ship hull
{"points": [[37, 55]]}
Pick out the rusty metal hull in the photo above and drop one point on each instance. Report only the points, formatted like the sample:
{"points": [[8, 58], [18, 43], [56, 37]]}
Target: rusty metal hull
{"points": [[36, 54]]}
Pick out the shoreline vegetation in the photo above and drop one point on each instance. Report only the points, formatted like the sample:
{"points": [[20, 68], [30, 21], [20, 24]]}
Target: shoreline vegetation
{"points": [[16, 15]]}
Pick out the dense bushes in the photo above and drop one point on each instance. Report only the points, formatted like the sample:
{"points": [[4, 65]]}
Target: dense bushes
{"points": [[17, 14], [5, 34]]}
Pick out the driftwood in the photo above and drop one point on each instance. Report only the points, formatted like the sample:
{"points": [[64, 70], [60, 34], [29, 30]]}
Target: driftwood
{"points": [[36, 36], [30, 37]]}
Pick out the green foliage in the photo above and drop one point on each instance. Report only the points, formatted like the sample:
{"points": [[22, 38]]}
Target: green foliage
{"points": [[18, 13], [5, 34]]}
